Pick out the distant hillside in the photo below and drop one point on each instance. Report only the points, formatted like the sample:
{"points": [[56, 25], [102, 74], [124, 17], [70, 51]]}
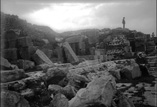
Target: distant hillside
{"points": [[34, 31]]}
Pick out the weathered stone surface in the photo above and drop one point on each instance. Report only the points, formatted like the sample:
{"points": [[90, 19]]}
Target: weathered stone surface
{"points": [[131, 71], [124, 101], [10, 54], [116, 73], [63, 82], [5, 64], [126, 74], [55, 75], [44, 67], [12, 75], [63, 65], [24, 42], [13, 99], [100, 90], [25, 64], [16, 86], [48, 52], [27, 92], [32, 80], [11, 35], [128, 68], [27, 52], [69, 91], [12, 44], [40, 58], [76, 80], [59, 101], [109, 65], [4, 44], [71, 56], [55, 88]]}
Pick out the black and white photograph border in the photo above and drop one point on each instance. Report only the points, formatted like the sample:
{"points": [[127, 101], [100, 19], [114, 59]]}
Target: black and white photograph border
{"points": [[78, 53]]}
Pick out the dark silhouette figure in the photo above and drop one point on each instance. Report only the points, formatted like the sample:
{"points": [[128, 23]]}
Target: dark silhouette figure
{"points": [[123, 22], [153, 35], [142, 62]]}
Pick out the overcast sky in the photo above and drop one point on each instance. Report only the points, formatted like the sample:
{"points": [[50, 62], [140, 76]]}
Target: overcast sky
{"points": [[64, 15]]}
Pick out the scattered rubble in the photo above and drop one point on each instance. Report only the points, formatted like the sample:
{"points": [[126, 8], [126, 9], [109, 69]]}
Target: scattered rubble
{"points": [[24, 64], [31, 79], [64, 85], [13, 99], [12, 75]]}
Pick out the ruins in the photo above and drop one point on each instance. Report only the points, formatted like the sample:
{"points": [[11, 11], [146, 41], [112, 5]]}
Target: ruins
{"points": [[89, 69]]}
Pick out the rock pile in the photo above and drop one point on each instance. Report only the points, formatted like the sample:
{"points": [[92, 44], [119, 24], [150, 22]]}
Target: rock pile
{"points": [[64, 85]]}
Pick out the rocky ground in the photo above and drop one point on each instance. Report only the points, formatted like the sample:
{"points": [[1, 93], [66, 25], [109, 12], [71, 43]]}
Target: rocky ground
{"points": [[88, 84], [142, 91]]}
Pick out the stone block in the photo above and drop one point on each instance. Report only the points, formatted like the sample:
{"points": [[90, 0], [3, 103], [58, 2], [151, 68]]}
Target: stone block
{"points": [[10, 54], [4, 44], [71, 56], [39, 57], [47, 52], [5, 64], [25, 64], [12, 43], [12, 75], [10, 35], [24, 42], [27, 52]]}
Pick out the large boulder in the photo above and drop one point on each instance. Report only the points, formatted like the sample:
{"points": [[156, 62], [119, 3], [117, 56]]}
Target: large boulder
{"points": [[59, 101], [55, 89], [131, 71], [55, 75], [12, 75], [10, 54], [100, 90], [25, 64], [69, 91], [13, 99], [76, 80], [116, 73], [5, 64], [27, 52]]}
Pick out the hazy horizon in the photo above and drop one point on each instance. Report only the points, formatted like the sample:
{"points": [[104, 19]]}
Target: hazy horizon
{"points": [[69, 15]]}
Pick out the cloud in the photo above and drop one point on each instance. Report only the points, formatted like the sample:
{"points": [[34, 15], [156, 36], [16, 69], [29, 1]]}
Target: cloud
{"points": [[64, 15], [25, 6], [21, 7]]}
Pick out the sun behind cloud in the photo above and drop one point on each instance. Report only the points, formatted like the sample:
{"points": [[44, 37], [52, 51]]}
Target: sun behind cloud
{"points": [[73, 16], [64, 16]]}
